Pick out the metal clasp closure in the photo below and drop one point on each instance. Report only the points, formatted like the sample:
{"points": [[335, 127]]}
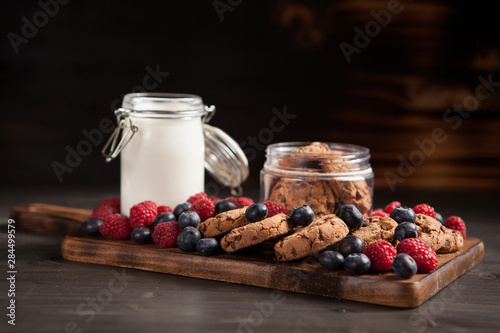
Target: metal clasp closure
{"points": [[209, 113], [126, 129]]}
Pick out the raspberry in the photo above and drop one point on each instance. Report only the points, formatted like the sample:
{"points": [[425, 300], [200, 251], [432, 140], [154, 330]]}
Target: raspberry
{"points": [[214, 199], [102, 211], [379, 212], [163, 209], [115, 203], [423, 255], [241, 201], [197, 196], [274, 208], [143, 214], [116, 226], [455, 223], [388, 209], [381, 254], [425, 209], [165, 234], [204, 207]]}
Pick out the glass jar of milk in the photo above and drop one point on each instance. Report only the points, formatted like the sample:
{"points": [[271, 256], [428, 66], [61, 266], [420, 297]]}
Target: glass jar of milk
{"points": [[162, 138]]}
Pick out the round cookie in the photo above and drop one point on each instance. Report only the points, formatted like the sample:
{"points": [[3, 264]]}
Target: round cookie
{"points": [[453, 241], [223, 222], [321, 233], [291, 193], [377, 228], [431, 231], [256, 233]]}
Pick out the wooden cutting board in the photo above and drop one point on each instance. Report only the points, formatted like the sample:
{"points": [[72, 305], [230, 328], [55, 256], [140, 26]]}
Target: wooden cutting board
{"points": [[253, 266]]}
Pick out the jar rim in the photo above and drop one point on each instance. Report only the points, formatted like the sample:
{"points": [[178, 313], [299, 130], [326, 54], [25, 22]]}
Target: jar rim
{"points": [[158, 105], [340, 150], [342, 160]]}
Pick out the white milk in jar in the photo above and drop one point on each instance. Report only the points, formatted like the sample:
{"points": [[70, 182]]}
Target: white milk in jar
{"points": [[165, 146]]}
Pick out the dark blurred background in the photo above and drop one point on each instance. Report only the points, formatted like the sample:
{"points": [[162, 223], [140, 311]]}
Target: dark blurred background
{"points": [[400, 84]]}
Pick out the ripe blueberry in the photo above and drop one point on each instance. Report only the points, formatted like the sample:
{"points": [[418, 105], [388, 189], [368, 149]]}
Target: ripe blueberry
{"points": [[141, 235], [256, 212], [331, 260], [404, 266], [224, 205], [403, 214], [189, 219], [351, 216], [302, 215], [357, 263], [91, 227], [188, 238]]}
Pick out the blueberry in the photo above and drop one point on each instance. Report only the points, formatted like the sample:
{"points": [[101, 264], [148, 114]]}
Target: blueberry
{"points": [[357, 263], [207, 246], [91, 227], [350, 244], [406, 230], [404, 266], [188, 238], [351, 216], [181, 208], [331, 260], [224, 205], [189, 219], [439, 217], [141, 235], [302, 215], [403, 214], [256, 212], [164, 217]]}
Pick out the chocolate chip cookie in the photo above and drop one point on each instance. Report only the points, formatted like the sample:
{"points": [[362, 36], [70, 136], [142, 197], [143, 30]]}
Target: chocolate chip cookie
{"points": [[431, 231], [256, 233], [223, 222], [377, 228], [322, 232], [453, 241], [292, 193]]}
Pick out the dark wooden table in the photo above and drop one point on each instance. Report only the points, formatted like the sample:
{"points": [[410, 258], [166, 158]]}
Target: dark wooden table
{"points": [[55, 295]]}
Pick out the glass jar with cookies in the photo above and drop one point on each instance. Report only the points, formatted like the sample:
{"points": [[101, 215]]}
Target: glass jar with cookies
{"points": [[320, 175]]}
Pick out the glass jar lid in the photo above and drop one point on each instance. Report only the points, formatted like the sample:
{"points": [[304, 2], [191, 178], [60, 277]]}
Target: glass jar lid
{"points": [[224, 159]]}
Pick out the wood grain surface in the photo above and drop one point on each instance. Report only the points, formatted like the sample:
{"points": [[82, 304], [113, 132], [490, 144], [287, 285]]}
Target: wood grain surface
{"points": [[257, 267]]}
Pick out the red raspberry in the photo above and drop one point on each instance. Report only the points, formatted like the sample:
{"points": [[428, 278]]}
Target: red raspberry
{"points": [[379, 212], [425, 209], [381, 254], [214, 199], [197, 196], [423, 255], [165, 234], [455, 223], [143, 214], [274, 208], [102, 211], [241, 201], [163, 209], [204, 207], [116, 226], [115, 203], [388, 209]]}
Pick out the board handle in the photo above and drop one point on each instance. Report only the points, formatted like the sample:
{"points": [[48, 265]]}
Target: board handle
{"points": [[49, 219]]}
